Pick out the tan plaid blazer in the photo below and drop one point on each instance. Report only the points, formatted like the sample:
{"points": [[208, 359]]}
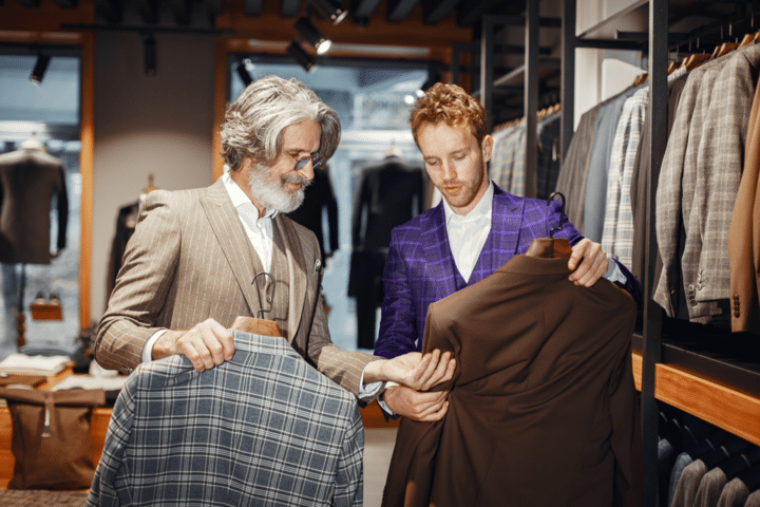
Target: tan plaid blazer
{"points": [[189, 261]]}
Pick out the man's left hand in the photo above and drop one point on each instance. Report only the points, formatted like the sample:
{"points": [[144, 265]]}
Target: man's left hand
{"points": [[591, 262]]}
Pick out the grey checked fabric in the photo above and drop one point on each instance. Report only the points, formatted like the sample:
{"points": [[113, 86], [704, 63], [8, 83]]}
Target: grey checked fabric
{"points": [[507, 168], [263, 429], [698, 184], [672, 191]]}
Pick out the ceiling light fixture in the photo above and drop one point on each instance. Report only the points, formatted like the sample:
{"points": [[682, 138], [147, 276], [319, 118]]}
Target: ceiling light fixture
{"points": [[149, 55], [40, 66], [297, 52], [312, 35], [331, 9], [243, 73]]}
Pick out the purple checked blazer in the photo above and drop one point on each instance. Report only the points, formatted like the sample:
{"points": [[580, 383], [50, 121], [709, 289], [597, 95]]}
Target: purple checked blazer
{"points": [[420, 268]]}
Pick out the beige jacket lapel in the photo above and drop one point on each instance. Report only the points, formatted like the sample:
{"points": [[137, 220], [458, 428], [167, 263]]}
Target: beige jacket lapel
{"points": [[231, 236], [297, 278]]}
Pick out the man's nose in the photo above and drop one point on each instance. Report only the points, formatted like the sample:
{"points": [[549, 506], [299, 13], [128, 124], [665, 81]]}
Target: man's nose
{"points": [[307, 171], [448, 171]]}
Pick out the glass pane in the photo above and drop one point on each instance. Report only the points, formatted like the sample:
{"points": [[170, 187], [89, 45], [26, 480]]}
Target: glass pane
{"points": [[49, 113]]}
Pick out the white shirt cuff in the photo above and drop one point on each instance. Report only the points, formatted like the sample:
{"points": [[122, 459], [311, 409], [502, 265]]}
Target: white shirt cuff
{"points": [[147, 353], [614, 273], [383, 405], [370, 391]]}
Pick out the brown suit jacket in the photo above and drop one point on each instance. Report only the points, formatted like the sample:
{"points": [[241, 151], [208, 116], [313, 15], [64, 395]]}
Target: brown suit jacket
{"points": [[744, 234], [542, 411], [28, 180], [189, 260]]}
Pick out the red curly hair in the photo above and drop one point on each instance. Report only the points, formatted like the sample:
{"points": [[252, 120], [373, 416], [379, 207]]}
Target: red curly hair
{"points": [[449, 103]]}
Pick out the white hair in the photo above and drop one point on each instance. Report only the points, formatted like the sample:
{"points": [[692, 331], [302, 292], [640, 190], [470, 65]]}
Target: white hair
{"points": [[254, 123]]}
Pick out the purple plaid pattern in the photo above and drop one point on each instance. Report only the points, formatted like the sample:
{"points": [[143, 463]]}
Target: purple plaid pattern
{"points": [[420, 268]]}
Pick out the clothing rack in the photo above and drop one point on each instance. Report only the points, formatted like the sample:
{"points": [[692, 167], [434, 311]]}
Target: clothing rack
{"points": [[688, 376]]}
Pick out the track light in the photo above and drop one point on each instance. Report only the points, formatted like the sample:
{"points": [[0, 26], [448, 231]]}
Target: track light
{"points": [[296, 51], [149, 55], [331, 9], [40, 66], [313, 36], [243, 73]]}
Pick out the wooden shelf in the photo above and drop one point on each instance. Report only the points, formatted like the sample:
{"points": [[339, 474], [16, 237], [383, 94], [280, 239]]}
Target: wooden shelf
{"points": [[718, 404]]}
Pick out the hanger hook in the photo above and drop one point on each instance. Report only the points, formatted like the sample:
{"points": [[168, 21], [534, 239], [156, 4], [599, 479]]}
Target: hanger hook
{"points": [[269, 299], [561, 211]]}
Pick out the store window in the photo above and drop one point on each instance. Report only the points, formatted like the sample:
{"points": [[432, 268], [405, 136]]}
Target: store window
{"points": [[45, 115]]}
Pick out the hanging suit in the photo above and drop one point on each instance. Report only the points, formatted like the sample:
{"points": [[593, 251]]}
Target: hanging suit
{"points": [[542, 409], [389, 194], [319, 195], [29, 178]]}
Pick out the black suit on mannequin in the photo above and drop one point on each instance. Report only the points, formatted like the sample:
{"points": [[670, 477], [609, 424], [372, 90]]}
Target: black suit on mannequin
{"points": [[390, 193]]}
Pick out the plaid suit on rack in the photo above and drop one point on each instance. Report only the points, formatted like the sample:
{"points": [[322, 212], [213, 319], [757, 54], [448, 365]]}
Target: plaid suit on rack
{"points": [[420, 268], [264, 428]]}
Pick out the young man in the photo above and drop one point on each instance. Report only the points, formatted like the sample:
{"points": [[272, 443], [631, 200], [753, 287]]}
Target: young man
{"points": [[475, 230], [193, 262]]}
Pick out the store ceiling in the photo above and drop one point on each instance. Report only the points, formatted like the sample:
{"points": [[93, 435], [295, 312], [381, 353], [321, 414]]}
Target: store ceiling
{"points": [[362, 12]]}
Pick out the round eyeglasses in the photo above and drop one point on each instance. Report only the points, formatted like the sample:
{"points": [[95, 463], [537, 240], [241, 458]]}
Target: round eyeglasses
{"points": [[317, 161]]}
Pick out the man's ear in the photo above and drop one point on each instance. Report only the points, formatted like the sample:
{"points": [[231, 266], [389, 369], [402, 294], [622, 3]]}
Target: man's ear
{"points": [[487, 148]]}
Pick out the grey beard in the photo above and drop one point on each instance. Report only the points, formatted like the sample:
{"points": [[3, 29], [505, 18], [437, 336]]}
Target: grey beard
{"points": [[270, 193]]}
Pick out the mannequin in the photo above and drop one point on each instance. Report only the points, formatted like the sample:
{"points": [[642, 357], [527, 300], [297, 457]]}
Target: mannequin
{"points": [[29, 179]]}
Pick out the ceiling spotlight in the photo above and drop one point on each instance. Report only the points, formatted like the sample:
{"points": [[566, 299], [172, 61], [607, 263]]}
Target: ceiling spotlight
{"points": [[245, 76], [40, 66], [149, 55], [307, 61], [331, 9], [313, 36]]}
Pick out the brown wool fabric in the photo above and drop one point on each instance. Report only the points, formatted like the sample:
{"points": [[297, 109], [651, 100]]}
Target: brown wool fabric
{"points": [[542, 410]]}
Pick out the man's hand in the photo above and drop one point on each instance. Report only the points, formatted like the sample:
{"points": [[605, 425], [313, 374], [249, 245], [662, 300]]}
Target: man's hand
{"points": [[426, 407], [205, 345], [593, 263], [413, 369]]}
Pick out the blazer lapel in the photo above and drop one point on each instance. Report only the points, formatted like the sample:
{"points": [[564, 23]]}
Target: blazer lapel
{"points": [[296, 275], [435, 245], [506, 218], [229, 232]]}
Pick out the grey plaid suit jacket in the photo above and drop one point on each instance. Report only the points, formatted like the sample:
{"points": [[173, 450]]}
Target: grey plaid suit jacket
{"points": [[189, 260], [709, 184], [674, 192], [262, 429]]}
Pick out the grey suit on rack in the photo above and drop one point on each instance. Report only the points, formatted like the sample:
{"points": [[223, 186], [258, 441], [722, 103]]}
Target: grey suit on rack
{"points": [[190, 260], [674, 190], [718, 173]]}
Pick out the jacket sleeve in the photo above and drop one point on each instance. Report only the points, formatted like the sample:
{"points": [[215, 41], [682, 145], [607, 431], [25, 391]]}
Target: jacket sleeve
{"points": [[63, 210], [142, 287], [398, 329], [105, 490], [349, 477]]}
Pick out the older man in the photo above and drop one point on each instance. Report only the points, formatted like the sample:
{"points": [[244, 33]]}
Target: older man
{"points": [[200, 258], [475, 230]]}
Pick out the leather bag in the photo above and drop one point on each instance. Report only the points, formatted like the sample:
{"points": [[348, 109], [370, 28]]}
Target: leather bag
{"points": [[51, 439]]}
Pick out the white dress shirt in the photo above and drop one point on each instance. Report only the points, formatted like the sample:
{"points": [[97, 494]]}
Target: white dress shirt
{"points": [[468, 233]]}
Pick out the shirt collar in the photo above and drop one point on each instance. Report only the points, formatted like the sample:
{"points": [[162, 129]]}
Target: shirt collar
{"points": [[238, 197], [481, 210]]}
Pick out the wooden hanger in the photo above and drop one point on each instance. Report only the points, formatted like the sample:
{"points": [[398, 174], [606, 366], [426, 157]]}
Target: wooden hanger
{"points": [[727, 47], [671, 67], [694, 61], [150, 188], [551, 247], [746, 40], [257, 326]]}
